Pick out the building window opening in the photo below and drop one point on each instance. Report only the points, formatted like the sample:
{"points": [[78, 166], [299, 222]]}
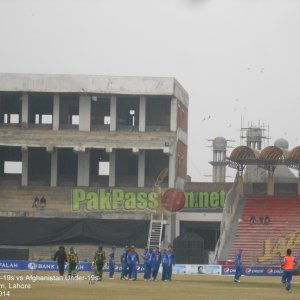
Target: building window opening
{"points": [[11, 119], [75, 119], [103, 169], [43, 119], [131, 120], [73, 115], [106, 120], [12, 167], [46, 119]]}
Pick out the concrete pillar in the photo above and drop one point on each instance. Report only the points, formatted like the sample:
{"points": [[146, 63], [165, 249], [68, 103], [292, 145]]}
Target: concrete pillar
{"points": [[177, 227], [270, 188], [112, 169], [25, 108], [141, 169], [24, 178], [113, 113], [142, 114], [219, 173], [1, 112], [84, 113], [222, 174], [170, 229], [172, 170], [240, 184], [173, 117], [53, 181], [214, 175], [83, 170], [55, 117]]}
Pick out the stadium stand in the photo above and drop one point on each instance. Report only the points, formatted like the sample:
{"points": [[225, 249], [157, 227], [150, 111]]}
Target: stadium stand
{"points": [[276, 227]]}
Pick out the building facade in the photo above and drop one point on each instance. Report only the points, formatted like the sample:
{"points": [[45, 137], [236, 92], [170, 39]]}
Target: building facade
{"points": [[64, 132]]}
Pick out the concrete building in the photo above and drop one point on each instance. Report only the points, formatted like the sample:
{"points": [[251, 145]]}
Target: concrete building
{"points": [[60, 132], [219, 163], [62, 128]]}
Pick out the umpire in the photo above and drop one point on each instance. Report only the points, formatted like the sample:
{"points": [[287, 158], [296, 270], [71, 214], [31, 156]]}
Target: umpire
{"points": [[61, 257]]}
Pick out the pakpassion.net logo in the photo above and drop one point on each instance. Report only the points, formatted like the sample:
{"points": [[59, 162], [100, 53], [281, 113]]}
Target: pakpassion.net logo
{"points": [[117, 199]]}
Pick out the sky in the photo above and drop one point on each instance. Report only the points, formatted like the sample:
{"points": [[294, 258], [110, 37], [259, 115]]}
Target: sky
{"points": [[237, 59]]}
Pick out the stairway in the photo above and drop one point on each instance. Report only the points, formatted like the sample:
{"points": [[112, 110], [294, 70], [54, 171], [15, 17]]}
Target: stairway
{"points": [[155, 231]]}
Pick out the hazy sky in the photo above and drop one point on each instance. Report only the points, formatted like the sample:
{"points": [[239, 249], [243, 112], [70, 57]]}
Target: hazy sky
{"points": [[235, 58]]}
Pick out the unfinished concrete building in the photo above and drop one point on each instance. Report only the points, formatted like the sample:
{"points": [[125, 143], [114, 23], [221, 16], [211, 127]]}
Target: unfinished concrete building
{"points": [[92, 130], [59, 132]]}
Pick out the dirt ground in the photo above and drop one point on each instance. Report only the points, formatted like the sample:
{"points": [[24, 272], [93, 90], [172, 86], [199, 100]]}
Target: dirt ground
{"points": [[16, 285]]}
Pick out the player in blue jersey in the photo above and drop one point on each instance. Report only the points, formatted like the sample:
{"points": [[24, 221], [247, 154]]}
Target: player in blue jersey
{"points": [[111, 262], [164, 263], [132, 261], [238, 266], [156, 259], [171, 257], [147, 256], [124, 272]]}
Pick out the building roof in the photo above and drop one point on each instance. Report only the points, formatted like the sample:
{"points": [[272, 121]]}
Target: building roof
{"points": [[243, 154], [219, 143], [282, 143], [271, 153], [93, 84], [270, 156], [295, 154]]}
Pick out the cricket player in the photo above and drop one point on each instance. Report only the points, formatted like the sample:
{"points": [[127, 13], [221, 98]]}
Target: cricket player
{"points": [[124, 272], [73, 261], [111, 263], [288, 264], [132, 261], [147, 256], [164, 263], [171, 257], [156, 259], [99, 259], [238, 266]]}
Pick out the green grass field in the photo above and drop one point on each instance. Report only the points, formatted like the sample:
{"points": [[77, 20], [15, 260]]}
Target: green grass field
{"points": [[182, 287]]}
